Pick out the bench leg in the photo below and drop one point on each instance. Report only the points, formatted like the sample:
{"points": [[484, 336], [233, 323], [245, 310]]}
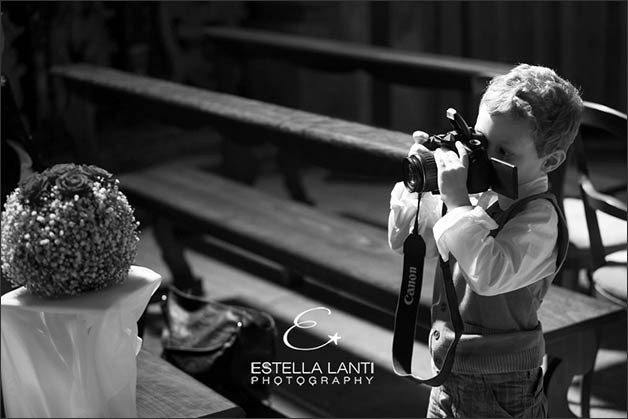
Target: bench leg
{"points": [[79, 118], [239, 162], [291, 278], [567, 357], [172, 253], [585, 395], [557, 381], [289, 165]]}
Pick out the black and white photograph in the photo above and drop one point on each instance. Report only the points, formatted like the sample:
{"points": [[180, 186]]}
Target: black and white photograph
{"points": [[314, 209]]}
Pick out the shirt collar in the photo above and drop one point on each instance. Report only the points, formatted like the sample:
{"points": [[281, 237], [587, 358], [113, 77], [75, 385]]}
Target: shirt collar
{"points": [[538, 185]]}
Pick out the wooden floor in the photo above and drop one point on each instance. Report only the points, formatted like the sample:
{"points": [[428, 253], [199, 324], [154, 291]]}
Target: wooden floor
{"points": [[365, 337]]}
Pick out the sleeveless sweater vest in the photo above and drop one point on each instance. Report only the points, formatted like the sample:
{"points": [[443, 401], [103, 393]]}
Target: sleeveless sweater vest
{"points": [[502, 333]]}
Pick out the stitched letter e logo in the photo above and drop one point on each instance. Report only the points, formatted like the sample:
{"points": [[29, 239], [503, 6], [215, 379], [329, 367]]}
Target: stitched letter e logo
{"points": [[307, 324]]}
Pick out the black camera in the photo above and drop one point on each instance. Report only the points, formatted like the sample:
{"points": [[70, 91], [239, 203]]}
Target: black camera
{"points": [[420, 173]]}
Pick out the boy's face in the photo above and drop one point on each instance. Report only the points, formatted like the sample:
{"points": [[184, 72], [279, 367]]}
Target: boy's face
{"points": [[510, 140]]}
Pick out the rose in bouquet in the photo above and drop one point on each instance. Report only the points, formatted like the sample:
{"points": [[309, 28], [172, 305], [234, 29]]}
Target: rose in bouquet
{"points": [[68, 230]]}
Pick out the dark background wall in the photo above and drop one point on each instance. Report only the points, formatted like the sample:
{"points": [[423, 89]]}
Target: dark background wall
{"points": [[584, 41]]}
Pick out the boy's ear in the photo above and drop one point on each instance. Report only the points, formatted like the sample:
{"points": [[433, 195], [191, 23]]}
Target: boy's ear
{"points": [[553, 160]]}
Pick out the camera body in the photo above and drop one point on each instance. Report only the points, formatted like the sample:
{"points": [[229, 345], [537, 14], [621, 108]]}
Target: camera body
{"points": [[420, 174]]}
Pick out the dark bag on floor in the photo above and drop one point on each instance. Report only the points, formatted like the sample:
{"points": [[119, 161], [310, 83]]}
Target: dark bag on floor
{"points": [[216, 343]]}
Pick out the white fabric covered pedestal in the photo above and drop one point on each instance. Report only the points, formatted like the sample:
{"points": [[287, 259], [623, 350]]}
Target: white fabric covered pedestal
{"points": [[74, 357]]}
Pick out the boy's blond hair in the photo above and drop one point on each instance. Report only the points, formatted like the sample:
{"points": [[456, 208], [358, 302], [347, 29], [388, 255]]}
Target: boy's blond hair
{"points": [[551, 104]]}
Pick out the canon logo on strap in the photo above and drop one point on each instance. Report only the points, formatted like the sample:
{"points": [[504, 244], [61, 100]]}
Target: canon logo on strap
{"points": [[409, 297]]}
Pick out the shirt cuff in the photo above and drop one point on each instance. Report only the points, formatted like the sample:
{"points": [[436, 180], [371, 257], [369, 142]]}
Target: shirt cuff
{"points": [[458, 224], [401, 198]]}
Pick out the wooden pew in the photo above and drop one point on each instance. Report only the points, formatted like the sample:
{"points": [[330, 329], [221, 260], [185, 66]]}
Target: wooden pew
{"points": [[348, 256], [326, 140], [385, 65], [417, 69], [164, 391]]}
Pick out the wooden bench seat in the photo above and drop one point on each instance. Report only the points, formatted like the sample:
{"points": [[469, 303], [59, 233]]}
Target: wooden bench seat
{"points": [[329, 141], [344, 254], [348, 256], [164, 391]]}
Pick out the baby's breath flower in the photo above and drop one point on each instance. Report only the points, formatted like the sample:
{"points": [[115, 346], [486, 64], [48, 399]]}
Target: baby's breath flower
{"points": [[67, 231]]}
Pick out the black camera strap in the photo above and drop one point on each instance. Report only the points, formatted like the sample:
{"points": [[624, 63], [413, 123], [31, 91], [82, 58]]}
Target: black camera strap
{"points": [[408, 307]]}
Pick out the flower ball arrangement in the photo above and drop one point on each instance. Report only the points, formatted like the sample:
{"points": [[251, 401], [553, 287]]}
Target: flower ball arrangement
{"points": [[67, 231]]}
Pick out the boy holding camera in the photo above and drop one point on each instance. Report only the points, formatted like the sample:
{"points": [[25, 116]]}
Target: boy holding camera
{"points": [[504, 253]]}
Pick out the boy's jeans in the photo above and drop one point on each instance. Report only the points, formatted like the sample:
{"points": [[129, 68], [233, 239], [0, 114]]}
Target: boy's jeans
{"points": [[514, 394]]}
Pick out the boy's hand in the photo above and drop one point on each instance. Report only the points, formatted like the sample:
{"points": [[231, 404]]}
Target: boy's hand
{"points": [[452, 176], [419, 138]]}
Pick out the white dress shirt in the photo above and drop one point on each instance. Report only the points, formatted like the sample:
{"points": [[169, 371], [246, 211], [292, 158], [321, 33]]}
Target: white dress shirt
{"points": [[522, 253]]}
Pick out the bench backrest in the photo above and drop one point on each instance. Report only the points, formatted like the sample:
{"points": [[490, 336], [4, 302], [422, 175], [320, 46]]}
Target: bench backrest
{"points": [[386, 64]]}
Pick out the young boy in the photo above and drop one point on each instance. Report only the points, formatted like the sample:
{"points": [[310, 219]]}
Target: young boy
{"points": [[503, 260]]}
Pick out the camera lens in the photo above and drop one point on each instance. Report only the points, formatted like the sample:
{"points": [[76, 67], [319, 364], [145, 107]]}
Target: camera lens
{"points": [[411, 175], [419, 172]]}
